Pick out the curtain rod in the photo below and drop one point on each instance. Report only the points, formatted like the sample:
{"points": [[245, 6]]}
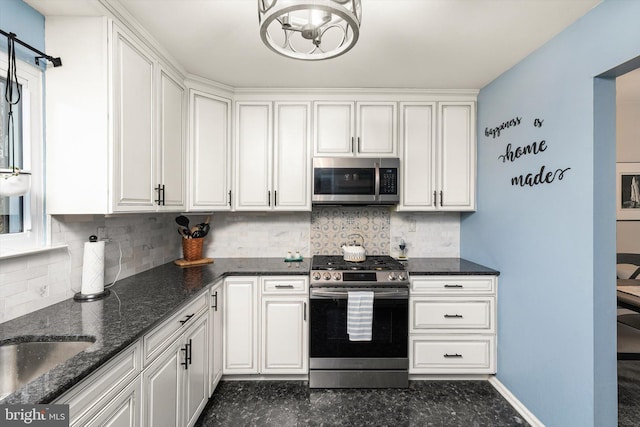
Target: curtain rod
{"points": [[57, 62]]}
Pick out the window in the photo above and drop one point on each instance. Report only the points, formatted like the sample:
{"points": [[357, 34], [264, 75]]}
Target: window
{"points": [[21, 218]]}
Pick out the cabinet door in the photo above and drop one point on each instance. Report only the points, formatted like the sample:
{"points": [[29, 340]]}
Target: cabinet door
{"points": [[253, 151], [418, 150], [134, 155], [334, 129], [215, 337], [284, 335], [124, 410], [162, 384], [172, 142], [241, 325], [210, 152], [292, 163], [377, 129], [457, 156], [196, 384]]}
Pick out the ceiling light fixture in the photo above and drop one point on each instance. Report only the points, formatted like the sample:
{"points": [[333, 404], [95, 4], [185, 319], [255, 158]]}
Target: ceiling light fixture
{"points": [[310, 29]]}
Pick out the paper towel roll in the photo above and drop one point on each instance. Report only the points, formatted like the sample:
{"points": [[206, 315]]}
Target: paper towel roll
{"points": [[93, 268]]}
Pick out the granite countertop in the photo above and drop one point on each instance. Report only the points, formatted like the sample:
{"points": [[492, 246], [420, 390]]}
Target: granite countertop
{"points": [[447, 266], [140, 302]]}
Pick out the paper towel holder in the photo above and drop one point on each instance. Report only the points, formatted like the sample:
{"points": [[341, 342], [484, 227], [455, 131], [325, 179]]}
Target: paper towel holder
{"points": [[80, 297]]}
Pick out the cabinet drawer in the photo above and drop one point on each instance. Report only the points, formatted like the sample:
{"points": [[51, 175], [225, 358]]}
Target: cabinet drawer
{"points": [[285, 284], [453, 285], [462, 354], [447, 314], [94, 392], [156, 340]]}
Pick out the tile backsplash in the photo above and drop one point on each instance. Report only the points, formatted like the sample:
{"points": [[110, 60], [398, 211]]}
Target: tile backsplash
{"points": [[332, 226], [31, 282]]}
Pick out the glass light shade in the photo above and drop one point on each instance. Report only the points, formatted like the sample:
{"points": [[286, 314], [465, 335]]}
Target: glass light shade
{"points": [[310, 29], [14, 184]]}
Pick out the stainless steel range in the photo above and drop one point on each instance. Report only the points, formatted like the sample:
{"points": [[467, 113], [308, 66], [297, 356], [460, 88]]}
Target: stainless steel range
{"points": [[337, 360]]}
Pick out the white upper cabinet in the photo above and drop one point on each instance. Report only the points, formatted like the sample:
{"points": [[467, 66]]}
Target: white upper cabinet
{"points": [[172, 142], [366, 129], [115, 123], [272, 163], [418, 152], [291, 154], [457, 173], [210, 152], [252, 156], [135, 170], [437, 144]]}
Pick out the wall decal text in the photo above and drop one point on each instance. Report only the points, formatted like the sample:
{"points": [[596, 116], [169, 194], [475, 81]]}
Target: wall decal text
{"points": [[513, 153], [495, 131], [541, 177], [534, 148]]}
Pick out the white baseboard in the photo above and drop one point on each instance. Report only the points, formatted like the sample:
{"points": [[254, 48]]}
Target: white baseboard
{"points": [[518, 406]]}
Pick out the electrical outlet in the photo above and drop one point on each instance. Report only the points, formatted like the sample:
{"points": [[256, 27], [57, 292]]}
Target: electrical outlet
{"points": [[412, 225], [102, 233]]}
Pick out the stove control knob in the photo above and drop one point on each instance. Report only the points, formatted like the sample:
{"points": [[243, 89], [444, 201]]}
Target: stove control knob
{"points": [[326, 276], [337, 276], [393, 276], [315, 275], [403, 276]]}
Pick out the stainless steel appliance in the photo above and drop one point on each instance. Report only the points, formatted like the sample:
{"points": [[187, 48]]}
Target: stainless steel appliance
{"points": [[337, 362], [355, 180]]}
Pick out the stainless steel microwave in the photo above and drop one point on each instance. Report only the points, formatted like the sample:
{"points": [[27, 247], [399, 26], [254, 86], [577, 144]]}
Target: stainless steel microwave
{"points": [[355, 180]]}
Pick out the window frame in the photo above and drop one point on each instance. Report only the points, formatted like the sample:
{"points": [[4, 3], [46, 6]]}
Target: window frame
{"points": [[32, 80]]}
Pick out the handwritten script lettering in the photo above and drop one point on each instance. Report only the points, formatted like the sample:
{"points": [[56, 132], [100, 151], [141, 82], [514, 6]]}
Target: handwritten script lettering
{"points": [[541, 177], [495, 131], [534, 148]]}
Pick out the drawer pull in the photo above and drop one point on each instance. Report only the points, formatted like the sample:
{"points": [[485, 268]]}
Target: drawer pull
{"points": [[456, 355], [453, 286], [453, 316], [189, 316], [284, 286]]}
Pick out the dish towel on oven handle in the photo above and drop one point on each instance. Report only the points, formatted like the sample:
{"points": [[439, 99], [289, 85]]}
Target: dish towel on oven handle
{"points": [[359, 315]]}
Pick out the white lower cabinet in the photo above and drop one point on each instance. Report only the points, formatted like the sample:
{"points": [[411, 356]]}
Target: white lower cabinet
{"points": [[215, 338], [123, 410], [452, 326], [110, 395], [176, 383], [278, 342]]}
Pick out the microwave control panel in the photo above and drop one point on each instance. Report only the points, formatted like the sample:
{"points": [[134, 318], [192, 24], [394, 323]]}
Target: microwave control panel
{"points": [[388, 181]]}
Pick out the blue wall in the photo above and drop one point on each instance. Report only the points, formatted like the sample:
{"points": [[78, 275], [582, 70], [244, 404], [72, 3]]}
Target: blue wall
{"points": [[28, 24], [554, 243]]}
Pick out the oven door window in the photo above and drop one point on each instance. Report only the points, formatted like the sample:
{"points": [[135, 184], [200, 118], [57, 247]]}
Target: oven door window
{"points": [[344, 181], [328, 330]]}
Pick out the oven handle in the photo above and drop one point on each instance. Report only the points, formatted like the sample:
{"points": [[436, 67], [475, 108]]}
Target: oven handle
{"points": [[387, 293]]}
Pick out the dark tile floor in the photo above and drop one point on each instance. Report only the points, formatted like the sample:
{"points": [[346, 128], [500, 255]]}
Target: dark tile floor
{"points": [[628, 393], [424, 403]]}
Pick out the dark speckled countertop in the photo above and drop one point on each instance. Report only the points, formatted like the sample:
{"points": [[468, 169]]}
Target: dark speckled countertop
{"points": [[143, 301], [447, 266]]}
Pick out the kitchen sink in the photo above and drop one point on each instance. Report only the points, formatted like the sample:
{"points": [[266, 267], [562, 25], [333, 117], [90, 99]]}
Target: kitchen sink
{"points": [[23, 362]]}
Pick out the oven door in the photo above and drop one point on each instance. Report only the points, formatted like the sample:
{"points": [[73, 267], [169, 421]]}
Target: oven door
{"points": [[330, 347]]}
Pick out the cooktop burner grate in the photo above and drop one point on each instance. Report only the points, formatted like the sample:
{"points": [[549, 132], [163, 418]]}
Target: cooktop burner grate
{"points": [[371, 263]]}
